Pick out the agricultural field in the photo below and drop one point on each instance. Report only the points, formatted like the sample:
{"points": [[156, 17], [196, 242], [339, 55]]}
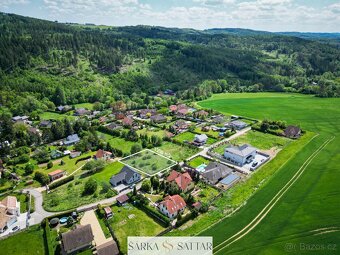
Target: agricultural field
{"points": [[117, 142], [305, 201], [259, 140], [23, 243], [189, 137], [175, 151], [148, 162], [130, 221]]}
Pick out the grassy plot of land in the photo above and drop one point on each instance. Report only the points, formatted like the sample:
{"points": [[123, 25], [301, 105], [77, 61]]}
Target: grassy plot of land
{"points": [[175, 151], [117, 142], [109, 170], [190, 137], [305, 202], [148, 162], [257, 139], [197, 161], [69, 165], [206, 193], [88, 106], [130, 221], [152, 131], [55, 116], [211, 132], [27, 242]]}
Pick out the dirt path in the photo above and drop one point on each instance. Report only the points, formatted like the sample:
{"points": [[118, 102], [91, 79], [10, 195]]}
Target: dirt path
{"points": [[90, 218], [273, 202]]}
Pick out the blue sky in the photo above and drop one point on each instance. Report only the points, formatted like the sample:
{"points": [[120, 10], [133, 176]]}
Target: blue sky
{"points": [[269, 15]]}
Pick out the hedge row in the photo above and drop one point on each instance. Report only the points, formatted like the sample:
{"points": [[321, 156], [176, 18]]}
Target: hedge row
{"points": [[61, 182], [155, 214], [81, 159], [185, 219]]}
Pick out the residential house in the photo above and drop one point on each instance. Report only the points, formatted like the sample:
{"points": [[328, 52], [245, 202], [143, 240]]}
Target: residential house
{"points": [[182, 112], [182, 181], [81, 112], [197, 205], [104, 155], [181, 126], [20, 119], [218, 119], [45, 124], [206, 128], [63, 108], [108, 212], [108, 248], [34, 131], [201, 114], [171, 206], [146, 113], [119, 115], [121, 200], [56, 174], [127, 122], [102, 119], [200, 139], [78, 239], [9, 211], [126, 176], [56, 154], [292, 132], [238, 124], [173, 108], [113, 126], [169, 92], [240, 155], [158, 118], [75, 154], [71, 139], [214, 172]]}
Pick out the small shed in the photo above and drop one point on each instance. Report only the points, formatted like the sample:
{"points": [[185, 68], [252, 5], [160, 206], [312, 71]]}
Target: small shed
{"points": [[121, 200]]}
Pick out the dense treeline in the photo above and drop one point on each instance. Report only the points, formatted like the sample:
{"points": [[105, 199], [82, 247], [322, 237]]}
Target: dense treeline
{"points": [[42, 62]]}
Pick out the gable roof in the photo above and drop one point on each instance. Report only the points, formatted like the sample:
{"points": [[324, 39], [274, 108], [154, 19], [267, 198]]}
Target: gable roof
{"points": [[125, 174], [78, 237], [122, 199], [173, 203], [243, 150], [158, 117], [127, 121], [108, 248], [4, 217], [216, 171], [9, 202], [201, 137], [56, 172], [292, 131], [182, 180], [100, 153]]}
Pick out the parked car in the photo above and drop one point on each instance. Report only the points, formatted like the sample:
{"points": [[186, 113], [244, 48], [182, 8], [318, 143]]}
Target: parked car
{"points": [[254, 164], [15, 229]]}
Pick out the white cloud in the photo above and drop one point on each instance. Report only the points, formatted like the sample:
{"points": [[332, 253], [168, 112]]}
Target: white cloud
{"points": [[8, 3], [214, 2]]}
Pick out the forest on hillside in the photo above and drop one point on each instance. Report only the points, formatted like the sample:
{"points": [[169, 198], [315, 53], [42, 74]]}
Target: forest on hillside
{"points": [[44, 64]]}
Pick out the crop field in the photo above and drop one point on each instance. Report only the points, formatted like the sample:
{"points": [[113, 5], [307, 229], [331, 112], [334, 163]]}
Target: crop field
{"points": [[259, 140], [175, 151], [306, 210], [148, 162]]}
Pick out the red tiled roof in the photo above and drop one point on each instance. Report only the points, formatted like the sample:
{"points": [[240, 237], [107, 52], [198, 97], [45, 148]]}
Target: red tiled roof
{"points": [[127, 121], [100, 153], [182, 180], [173, 108], [183, 111], [123, 198], [107, 210], [174, 203], [55, 172]]}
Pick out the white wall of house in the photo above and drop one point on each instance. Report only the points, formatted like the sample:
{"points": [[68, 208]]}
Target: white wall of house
{"points": [[237, 159]]}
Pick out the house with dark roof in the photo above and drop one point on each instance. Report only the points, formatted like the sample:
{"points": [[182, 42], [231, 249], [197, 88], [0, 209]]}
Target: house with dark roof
{"points": [[240, 155], [238, 124], [126, 176], [108, 248], [158, 118], [292, 132], [113, 126], [214, 172], [78, 239], [56, 154], [45, 124], [182, 181], [171, 206], [200, 140], [63, 108], [81, 112], [146, 113], [201, 114]]}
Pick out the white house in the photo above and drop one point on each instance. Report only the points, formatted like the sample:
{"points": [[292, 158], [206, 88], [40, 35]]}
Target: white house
{"points": [[240, 155], [171, 206], [201, 139], [9, 211]]}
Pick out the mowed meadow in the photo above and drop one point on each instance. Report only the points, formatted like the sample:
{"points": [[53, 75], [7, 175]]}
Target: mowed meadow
{"points": [[306, 218]]}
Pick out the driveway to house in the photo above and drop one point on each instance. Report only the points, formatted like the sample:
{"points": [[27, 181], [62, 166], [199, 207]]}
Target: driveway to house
{"points": [[90, 218]]}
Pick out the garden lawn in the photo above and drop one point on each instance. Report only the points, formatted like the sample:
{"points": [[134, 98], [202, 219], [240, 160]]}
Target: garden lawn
{"points": [[88, 106], [55, 116], [211, 132], [118, 143], [197, 161], [27, 242], [189, 137], [109, 170], [153, 131], [140, 225], [207, 193], [175, 151], [70, 196], [148, 162]]}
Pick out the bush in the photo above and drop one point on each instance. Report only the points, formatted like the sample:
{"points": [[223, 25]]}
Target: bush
{"points": [[49, 164], [61, 182], [180, 221], [94, 165], [81, 159], [29, 168], [90, 186], [42, 178]]}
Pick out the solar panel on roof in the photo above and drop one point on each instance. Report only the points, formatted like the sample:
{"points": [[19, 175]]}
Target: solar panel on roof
{"points": [[230, 179]]}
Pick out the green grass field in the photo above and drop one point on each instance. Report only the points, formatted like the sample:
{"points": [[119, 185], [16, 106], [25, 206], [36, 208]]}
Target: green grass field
{"points": [[148, 162], [140, 224], [175, 151], [212, 133], [108, 171], [117, 142], [195, 162], [189, 137], [153, 131], [88, 106], [310, 204], [259, 140], [55, 116], [25, 243]]}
